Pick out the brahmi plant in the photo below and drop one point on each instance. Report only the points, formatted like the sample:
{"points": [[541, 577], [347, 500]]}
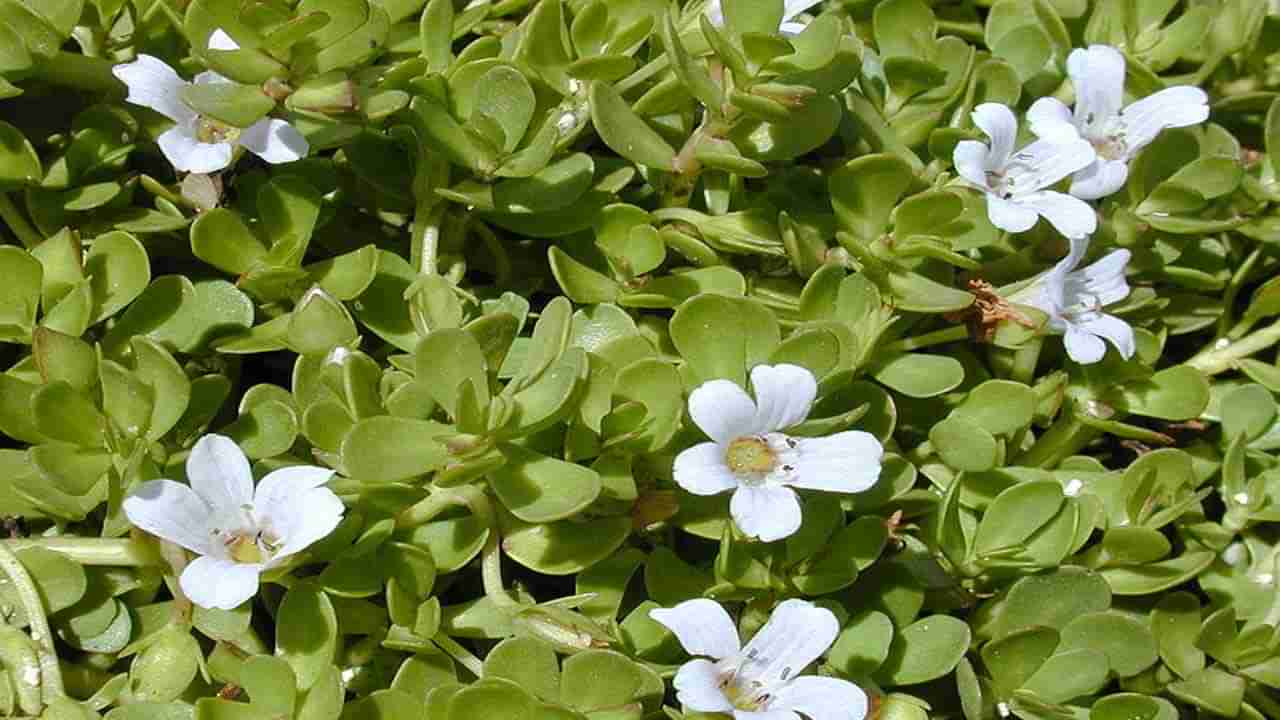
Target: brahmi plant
{"points": [[639, 359]]}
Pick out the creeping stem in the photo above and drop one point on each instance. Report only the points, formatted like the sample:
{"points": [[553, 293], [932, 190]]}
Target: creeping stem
{"points": [[29, 598], [1224, 354]]}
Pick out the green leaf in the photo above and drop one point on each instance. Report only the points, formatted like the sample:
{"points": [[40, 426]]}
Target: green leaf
{"points": [[624, 132], [229, 102], [919, 375], [307, 633], [924, 650], [539, 489]]}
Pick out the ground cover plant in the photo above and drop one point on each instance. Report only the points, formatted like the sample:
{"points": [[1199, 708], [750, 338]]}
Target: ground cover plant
{"points": [[638, 359]]}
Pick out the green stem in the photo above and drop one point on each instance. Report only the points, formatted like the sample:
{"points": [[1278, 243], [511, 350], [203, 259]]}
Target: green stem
{"points": [[41, 636], [81, 72], [1024, 361], [937, 337], [459, 653], [18, 223], [1223, 354], [124, 552], [426, 510], [491, 556], [1233, 289], [1063, 439], [426, 234]]}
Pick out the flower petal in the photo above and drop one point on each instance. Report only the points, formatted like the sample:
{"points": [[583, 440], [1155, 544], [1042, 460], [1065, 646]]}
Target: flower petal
{"points": [[1010, 217], [209, 77], [1045, 162], [1102, 282], [1172, 107], [792, 8], [220, 40], [1082, 346], [715, 13], [784, 395], [1100, 179], [999, 123], [701, 470], [970, 159], [219, 472], [153, 84], [1119, 332], [766, 512], [847, 462], [822, 698], [765, 715], [1071, 216], [722, 410], [187, 154], [172, 511], [797, 633], [702, 626], [697, 685], [1049, 119], [275, 141], [293, 503], [1098, 76], [792, 28], [212, 582]]}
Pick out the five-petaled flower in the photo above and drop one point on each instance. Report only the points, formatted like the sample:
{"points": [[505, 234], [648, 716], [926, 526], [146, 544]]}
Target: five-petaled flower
{"points": [[237, 531], [1074, 299], [1015, 182], [196, 143], [1117, 133], [761, 681], [790, 11], [750, 456]]}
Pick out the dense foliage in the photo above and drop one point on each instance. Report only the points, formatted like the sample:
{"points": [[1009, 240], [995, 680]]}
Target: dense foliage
{"points": [[554, 329]]}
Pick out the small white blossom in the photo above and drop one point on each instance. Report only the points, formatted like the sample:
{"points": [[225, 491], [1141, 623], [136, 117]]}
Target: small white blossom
{"points": [[237, 531], [791, 10], [761, 681], [1073, 300], [200, 144], [1015, 182], [750, 456], [1117, 133]]}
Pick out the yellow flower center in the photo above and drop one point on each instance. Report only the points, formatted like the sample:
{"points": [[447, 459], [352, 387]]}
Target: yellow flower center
{"points": [[244, 549], [213, 131], [750, 455]]}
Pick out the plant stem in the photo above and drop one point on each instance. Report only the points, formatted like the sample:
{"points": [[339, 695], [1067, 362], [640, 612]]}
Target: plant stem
{"points": [[1064, 438], [937, 337], [17, 223], [1233, 289], [491, 556], [459, 653], [426, 510], [1223, 354], [124, 552], [41, 636], [1024, 361]]}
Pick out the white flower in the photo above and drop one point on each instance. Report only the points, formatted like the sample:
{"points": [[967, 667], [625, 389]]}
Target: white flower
{"points": [[1015, 182], [1074, 299], [759, 682], [199, 144], [751, 457], [237, 531], [791, 9], [1116, 133]]}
